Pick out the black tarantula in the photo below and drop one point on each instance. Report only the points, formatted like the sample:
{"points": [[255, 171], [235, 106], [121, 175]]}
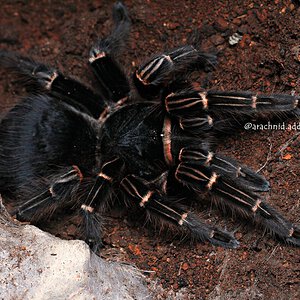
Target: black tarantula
{"points": [[146, 140]]}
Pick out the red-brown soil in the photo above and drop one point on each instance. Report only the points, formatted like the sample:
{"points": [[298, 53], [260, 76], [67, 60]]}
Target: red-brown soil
{"points": [[267, 59]]}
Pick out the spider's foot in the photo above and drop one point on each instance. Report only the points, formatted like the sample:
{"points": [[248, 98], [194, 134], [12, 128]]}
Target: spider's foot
{"points": [[91, 227], [214, 235], [275, 223], [294, 236], [224, 239], [120, 13], [94, 244]]}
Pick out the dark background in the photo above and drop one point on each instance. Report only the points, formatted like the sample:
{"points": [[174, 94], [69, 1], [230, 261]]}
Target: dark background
{"points": [[265, 60]]}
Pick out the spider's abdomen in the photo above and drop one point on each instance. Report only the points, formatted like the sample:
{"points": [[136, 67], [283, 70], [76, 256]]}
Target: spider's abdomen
{"points": [[134, 133], [39, 135]]}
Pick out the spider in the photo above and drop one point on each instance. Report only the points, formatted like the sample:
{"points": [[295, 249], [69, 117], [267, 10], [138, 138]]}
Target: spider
{"points": [[148, 140]]}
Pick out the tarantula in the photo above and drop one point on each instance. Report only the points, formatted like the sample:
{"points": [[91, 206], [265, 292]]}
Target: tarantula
{"points": [[145, 140]]}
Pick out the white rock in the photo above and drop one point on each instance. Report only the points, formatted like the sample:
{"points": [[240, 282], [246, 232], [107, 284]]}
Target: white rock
{"points": [[35, 265]]}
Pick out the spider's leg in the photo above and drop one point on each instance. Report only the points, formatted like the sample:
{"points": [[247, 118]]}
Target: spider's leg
{"points": [[96, 201], [43, 197], [168, 210], [199, 111], [67, 188], [63, 190], [40, 78], [227, 167], [161, 70], [205, 171], [103, 57]]}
